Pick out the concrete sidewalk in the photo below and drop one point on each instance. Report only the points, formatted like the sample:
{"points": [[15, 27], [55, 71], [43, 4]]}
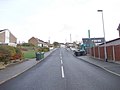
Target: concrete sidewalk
{"points": [[111, 67], [14, 70]]}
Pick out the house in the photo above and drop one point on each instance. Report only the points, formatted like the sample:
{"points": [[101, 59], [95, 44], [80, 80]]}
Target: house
{"points": [[111, 42], [37, 42], [6, 37]]}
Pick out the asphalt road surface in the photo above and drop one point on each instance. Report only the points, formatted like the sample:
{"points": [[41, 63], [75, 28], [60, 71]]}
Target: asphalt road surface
{"points": [[62, 71]]}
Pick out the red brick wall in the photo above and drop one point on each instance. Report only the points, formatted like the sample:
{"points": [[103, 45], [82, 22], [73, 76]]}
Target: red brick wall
{"points": [[13, 39], [33, 41], [2, 37]]}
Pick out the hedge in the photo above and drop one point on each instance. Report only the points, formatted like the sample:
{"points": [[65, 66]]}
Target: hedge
{"points": [[4, 54], [8, 53], [43, 49]]}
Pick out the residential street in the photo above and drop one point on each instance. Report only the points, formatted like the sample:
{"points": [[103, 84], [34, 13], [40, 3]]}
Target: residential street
{"points": [[62, 71]]}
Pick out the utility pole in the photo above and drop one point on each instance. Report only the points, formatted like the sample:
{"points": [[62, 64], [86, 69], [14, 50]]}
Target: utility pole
{"points": [[105, 52], [89, 42], [70, 38]]}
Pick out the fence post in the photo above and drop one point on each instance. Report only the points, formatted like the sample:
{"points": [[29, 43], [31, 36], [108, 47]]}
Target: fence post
{"points": [[113, 53], [99, 52], [94, 51], [90, 51]]}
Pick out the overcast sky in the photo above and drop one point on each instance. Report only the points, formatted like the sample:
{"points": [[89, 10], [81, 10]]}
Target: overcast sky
{"points": [[57, 19]]}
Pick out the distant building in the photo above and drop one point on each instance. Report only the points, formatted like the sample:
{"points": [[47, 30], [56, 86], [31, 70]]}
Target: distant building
{"points": [[37, 42], [62, 45], [69, 45], [6, 37], [90, 42]]}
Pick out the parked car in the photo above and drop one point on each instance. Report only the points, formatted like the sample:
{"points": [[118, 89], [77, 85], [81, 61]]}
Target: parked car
{"points": [[80, 52]]}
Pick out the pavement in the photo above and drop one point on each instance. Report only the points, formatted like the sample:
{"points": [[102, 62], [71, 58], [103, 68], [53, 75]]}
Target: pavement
{"points": [[17, 69], [111, 67]]}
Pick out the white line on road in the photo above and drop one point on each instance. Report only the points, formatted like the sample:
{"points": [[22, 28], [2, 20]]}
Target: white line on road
{"points": [[61, 62], [63, 75]]}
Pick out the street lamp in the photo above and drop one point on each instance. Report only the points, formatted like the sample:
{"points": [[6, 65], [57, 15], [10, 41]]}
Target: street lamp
{"points": [[104, 35]]}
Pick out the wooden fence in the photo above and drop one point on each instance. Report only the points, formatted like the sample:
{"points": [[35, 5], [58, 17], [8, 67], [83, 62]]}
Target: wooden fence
{"points": [[112, 52]]}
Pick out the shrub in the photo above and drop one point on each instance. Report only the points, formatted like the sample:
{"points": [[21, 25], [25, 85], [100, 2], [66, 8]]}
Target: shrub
{"points": [[40, 50], [18, 54], [12, 51], [4, 54], [8, 53], [43, 49], [24, 49], [27, 44]]}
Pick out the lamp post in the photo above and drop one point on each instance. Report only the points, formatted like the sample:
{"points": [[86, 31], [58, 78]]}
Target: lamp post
{"points": [[104, 35]]}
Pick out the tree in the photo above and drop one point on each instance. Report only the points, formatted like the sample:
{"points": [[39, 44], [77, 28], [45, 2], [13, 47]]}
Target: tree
{"points": [[56, 44]]}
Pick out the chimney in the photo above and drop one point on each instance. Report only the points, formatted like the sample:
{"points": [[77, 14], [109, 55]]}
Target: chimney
{"points": [[119, 29]]}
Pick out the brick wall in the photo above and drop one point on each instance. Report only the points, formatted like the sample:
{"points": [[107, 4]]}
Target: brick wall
{"points": [[13, 39], [2, 37], [33, 41]]}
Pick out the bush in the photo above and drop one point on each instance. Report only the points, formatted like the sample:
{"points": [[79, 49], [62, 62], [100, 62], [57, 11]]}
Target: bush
{"points": [[8, 53], [11, 50], [46, 49], [43, 49], [4, 54], [18, 54], [28, 44]]}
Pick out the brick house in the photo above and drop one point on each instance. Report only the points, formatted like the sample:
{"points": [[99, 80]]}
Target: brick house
{"points": [[37, 42], [6, 37]]}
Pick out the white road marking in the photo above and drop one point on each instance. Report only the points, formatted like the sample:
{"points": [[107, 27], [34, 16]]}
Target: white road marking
{"points": [[61, 62], [63, 75]]}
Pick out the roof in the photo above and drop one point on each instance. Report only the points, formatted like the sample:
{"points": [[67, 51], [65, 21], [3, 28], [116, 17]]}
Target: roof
{"points": [[1, 30], [110, 41], [118, 27], [38, 40], [4, 30]]}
